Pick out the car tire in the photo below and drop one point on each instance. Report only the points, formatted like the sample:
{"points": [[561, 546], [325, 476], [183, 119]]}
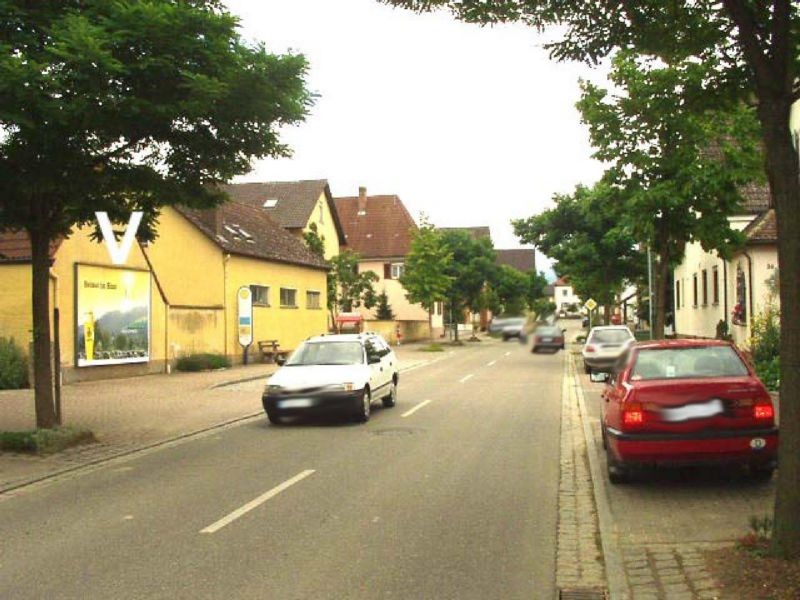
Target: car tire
{"points": [[587, 369], [363, 408], [274, 417], [617, 474], [505, 338], [390, 400], [535, 350], [761, 474]]}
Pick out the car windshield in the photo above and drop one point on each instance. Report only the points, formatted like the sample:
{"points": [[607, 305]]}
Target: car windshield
{"points": [[327, 353], [611, 336], [687, 363]]}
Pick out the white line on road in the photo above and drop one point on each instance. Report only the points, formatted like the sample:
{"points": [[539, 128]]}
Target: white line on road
{"points": [[489, 364], [416, 408], [507, 353], [257, 502], [463, 379]]}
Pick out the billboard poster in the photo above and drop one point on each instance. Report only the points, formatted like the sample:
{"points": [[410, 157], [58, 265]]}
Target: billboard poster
{"points": [[113, 315]]}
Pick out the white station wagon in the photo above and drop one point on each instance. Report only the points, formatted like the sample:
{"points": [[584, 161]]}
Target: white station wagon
{"points": [[341, 373]]}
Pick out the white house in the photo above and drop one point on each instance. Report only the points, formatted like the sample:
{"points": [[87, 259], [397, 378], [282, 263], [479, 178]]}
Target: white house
{"points": [[564, 296]]}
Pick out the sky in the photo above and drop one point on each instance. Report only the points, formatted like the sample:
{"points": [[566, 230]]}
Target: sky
{"points": [[468, 125]]}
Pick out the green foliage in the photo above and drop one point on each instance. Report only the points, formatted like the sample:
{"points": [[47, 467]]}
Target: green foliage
{"points": [[44, 441], [510, 289], [765, 346], [347, 288], [13, 366], [383, 311], [314, 240], [543, 308], [473, 265], [202, 362], [425, 278]]}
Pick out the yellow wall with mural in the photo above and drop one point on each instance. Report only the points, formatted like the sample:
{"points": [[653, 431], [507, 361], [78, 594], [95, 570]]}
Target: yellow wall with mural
{"points": [[287, 325], [323, 218]]}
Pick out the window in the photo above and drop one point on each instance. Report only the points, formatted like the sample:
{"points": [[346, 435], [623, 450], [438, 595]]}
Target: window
{"points": [[288, 298], [688, 363], [271, 203], [564, 292], [260, 295], [715, 285], [677, 294], [313, 299], [740, 308], [321, 214], [705, 287], [694, 290], [397, 270]]}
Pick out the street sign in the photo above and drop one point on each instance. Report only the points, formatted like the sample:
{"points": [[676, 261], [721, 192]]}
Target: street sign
{"points": [[245, 316], [590, 304]]}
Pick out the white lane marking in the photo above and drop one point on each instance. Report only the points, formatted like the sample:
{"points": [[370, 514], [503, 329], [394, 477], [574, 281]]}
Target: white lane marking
{"points": [[463, 379], [416, 408], [507, 353], [214, 527], [489, 364]]}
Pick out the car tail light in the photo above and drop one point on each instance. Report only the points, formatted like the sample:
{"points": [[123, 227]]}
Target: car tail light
{"points": [[590, 348], [538, 338], [632, 414], [559, 340], [763, 412]]}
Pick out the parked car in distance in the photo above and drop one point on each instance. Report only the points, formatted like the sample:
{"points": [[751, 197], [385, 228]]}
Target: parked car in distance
{"points": [[342, 373], [514, 328], [682, 402], [497, 323], [548, 337], [604, 345]]}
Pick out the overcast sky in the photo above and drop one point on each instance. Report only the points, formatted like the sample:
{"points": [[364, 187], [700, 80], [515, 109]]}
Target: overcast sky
{"points": [[470, 125]]}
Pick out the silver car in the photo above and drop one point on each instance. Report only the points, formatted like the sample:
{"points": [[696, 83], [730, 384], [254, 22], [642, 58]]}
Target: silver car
{"points": [[604, 345]]}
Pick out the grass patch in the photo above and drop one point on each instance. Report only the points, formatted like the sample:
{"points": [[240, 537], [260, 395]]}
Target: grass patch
{"points": [[432, 347], [202, 362], [44, 441]]}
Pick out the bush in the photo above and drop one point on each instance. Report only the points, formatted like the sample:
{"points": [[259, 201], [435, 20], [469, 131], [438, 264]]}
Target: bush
{"points": [[13, 366], [202, 362], [44, 441], [765, 343]]}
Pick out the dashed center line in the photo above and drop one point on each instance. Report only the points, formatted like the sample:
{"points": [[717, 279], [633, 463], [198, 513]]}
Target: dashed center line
{"points": [[416, 408], [489, 364], [463, 379], [230, 518]]}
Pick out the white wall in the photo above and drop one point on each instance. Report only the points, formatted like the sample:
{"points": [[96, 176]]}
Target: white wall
{"points": [[564, 294]]}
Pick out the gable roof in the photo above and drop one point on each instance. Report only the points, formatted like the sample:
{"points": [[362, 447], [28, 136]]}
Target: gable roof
{"points": [[248, 231], [478, 232], [295, 200], [756, 198], [15, 247], [763, 229], [522, 259], [383, 231], [562, 281]]}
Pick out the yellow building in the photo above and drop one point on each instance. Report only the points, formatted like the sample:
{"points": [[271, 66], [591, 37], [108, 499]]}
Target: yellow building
{"points": [[297, 206], [173, 297]]}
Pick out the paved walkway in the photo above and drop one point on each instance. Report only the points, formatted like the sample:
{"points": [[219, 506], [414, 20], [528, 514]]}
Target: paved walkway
{"points": [[134, 413]]}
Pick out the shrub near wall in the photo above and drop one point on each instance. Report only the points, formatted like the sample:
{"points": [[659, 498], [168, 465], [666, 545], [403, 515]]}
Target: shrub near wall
{"points": [[765, 347], [202, 362], [13, 366]]}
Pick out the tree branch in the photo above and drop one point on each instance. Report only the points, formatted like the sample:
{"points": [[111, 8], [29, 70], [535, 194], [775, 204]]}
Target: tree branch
{"points": [[745, 21]]}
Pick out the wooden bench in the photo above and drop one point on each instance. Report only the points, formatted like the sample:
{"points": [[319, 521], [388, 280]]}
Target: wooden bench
{"points": [[268, 349]]}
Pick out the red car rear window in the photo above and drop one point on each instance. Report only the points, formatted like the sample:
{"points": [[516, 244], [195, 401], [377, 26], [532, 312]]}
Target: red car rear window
{"points": [[687, 363]]}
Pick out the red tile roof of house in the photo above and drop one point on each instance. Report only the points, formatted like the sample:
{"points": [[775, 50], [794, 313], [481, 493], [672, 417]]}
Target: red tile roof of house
{"points": [[522, 259], [248, 231], [756, 198], [15, 247], [562, 281], [383, 231], [763, 229]]}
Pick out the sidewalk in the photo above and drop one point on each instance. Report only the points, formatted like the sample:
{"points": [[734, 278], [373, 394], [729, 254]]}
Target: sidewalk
{"points": [[134, 413]]}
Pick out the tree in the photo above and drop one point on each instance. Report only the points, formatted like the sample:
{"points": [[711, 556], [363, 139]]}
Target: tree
{"points": [[123, 106], [754, 49], [511, 288], [314, 240], [473, 265], [347, 288], [586, 235], [383, 312], [425, 276], [536, 284]]}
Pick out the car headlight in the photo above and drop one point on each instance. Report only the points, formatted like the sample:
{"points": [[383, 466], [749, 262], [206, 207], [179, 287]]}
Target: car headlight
{"points": [[273, 389], [340, 387]]}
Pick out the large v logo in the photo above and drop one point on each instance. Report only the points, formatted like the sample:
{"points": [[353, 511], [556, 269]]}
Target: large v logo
{"points": [[119, 253]]}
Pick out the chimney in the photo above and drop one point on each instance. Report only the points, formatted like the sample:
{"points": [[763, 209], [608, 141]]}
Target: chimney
{"points": [[362, 200]]}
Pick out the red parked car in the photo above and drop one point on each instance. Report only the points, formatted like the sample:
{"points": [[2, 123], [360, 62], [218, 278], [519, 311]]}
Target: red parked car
{"points": [[684, 402]]}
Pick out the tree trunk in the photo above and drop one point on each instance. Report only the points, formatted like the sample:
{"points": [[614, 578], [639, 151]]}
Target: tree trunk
{"points": [[660, 288], [607, 313], [784, 179], [42, 365]]}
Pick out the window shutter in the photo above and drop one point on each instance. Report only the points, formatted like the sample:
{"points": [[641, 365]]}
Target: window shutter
{"points": [[387, 270]]}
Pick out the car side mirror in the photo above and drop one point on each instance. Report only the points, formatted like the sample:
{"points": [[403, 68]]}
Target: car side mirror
{"points": [[597, 377], [280, 360]]}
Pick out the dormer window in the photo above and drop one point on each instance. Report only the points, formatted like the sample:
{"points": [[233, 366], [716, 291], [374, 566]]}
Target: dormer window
{"points": [[271, 203]]}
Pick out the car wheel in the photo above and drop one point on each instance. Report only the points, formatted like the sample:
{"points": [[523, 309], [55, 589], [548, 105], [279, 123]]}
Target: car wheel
{"points": [[761, 474], [274, 417], [390, 400], [587, 369], [505, 338], [617, 474], [364, 407], [535, 350]]}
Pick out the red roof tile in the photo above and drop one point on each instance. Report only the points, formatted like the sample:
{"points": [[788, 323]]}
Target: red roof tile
{"points": [[522, 259], [383, 231], [763, 229], [15, 247]]}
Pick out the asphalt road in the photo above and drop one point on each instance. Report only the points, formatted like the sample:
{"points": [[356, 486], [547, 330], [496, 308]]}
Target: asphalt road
{"points": [[457, 499]]}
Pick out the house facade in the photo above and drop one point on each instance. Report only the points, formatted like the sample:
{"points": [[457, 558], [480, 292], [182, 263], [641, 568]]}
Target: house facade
{"points": [[564, 295], [173, 297], [710, 290], [380, 230]]}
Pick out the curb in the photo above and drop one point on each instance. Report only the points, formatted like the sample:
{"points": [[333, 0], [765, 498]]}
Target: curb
{"points": [[615, 573], [242, 380]]}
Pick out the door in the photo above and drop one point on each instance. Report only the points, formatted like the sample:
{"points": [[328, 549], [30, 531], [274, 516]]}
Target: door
{"points": [[377, 371]]}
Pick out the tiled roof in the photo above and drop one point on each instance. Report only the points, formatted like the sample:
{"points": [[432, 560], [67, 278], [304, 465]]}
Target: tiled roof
{"points": [[561, 281], [477, 233], [15, 247], [756, 198], [385, 230], [248, 231], [522, 259], [294, 200], [549, 291], [763, 229]]}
